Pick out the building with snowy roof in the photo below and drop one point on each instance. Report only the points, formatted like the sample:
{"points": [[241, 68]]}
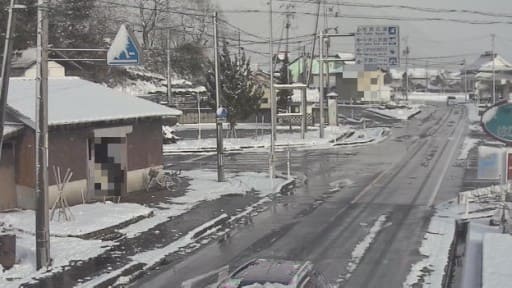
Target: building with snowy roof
{"points": [[108, 140]]}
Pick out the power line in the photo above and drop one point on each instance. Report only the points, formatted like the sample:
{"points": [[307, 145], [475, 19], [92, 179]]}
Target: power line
{"points": [[176, 10], [408, 7]]}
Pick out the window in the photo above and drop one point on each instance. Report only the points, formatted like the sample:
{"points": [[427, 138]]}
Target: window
{"points": [[374, 81], [264, 100]]}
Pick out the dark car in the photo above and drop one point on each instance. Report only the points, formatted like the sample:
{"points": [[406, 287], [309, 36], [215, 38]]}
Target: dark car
{"points": [[277, 273]]}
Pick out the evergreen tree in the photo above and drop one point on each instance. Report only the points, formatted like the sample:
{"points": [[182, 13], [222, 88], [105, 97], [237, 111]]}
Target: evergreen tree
{"points": [[240, 95], [76, 24], [284, 94]]}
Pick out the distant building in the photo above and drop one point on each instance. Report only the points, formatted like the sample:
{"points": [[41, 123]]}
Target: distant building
{"points": [[480, 76]]}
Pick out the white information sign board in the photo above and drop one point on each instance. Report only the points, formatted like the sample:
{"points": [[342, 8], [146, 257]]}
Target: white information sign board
{"points": [[377, 46]]}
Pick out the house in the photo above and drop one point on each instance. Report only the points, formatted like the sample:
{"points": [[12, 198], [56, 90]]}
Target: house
{"points": [[480, 77], [108, 140]]}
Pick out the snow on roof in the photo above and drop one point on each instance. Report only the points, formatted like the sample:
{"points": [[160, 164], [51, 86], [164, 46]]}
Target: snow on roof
{"points": [[420, 73], [497, 260], [346, 56], [484, 63], [73, 100], [24, 58], [10, 128]]}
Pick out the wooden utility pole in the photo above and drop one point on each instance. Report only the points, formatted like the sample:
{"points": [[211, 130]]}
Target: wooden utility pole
{"points": [[41, 147]]}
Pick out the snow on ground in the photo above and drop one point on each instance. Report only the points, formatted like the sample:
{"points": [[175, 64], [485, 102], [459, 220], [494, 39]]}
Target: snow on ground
{"points": [[152, 257], [435, 247], [105, 215], [283, 140], [204, 187], [398, 113], [473, 113], [436, 97], [497, 260], [439, 236], [362, 247], [63, 251], [467, 145], [364, 136]]}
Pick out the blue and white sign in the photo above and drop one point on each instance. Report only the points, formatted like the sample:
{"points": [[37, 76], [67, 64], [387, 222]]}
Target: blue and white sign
{"points": [[125, 49], [222, 113], [377, 46]]}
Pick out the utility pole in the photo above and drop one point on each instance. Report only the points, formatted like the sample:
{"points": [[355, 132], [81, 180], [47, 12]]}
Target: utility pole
{"points": [[465, 80], [41, 147], [169, 78], [493, 57], [272, 96], [287, 46], [406, 53], [6, 68], [426, 76], [321, 82], [239, 45], [220, 144]]}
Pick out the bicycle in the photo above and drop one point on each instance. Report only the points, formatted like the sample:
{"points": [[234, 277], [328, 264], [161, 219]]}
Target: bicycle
{"points": [[167, 179]]}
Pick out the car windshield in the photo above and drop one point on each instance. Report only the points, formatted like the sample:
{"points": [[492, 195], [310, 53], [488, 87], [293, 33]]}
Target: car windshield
{"points": [[255, 143]]}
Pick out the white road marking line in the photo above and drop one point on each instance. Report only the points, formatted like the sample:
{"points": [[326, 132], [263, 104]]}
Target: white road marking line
{"points": [[445, 168], [198, 158]]}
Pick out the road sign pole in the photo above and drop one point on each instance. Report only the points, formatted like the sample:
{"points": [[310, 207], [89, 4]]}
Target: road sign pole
{"points": [[220, 144], [6, 68], [272, 98], [169, 76]]}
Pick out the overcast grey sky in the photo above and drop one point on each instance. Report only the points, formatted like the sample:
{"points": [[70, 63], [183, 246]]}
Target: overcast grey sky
{"points": [[426, 38]]}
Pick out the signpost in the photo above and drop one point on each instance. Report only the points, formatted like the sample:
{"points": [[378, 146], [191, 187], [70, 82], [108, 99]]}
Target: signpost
{"points": [[377, 46], [125, 49]]}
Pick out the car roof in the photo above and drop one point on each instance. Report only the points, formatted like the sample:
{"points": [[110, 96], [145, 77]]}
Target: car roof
{"points": [[268, 271]]}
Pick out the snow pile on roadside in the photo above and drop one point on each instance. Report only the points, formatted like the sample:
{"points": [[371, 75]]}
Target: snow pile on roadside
{"points": [[362, 247], [204, 187], [364, 136], [473, 113], [497, 260], [105, 215], [467, 145], [435, 97], [436, 244], [63, 251], [434, 248], [398, 113], [152, 257], [283, 140]]}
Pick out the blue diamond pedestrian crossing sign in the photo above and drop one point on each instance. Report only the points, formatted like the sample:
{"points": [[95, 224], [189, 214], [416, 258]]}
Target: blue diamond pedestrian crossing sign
{"points": [[125, 49]]}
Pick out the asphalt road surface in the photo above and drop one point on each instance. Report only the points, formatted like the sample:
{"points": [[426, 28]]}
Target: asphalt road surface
{"points": [[398, 180]]}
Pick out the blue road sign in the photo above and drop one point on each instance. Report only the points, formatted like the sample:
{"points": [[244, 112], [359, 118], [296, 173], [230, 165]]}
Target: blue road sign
{"points": [[125, 49]]}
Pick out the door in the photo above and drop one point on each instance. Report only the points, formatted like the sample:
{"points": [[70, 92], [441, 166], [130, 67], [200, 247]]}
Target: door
{"points": [[7, 180], [107, 155]]}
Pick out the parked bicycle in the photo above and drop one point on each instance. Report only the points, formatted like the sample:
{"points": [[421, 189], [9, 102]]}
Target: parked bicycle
{"points": [[160, 179]]}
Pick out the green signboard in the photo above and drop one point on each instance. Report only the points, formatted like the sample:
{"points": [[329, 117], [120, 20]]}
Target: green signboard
{"points": [[497, 122]]}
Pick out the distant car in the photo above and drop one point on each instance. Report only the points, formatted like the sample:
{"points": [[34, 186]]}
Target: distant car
{"points": [[450, 100], [281, 273]]}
